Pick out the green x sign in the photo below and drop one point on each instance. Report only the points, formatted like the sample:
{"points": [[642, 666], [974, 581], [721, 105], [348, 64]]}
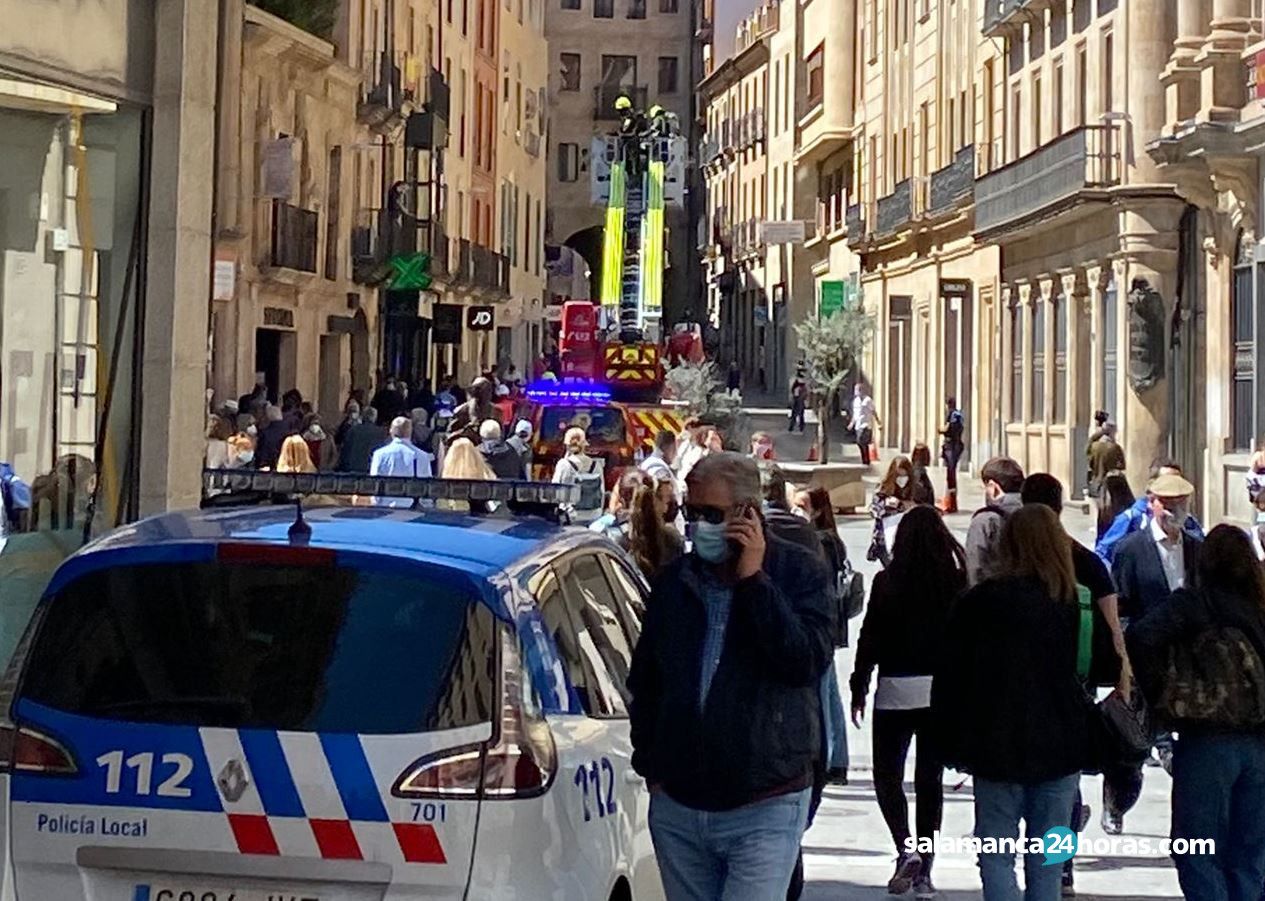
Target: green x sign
{"points": [[409, 272]]}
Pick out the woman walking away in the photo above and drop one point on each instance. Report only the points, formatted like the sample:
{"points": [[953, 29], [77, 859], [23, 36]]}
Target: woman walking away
{"points": [[463, 461], [295, 456], [1199, 660], [821, 513], [901, 636], [636, 524], [578, 468], [1006, 703], [923, 491], [894, 496], [218, 454], [1116, 497]]}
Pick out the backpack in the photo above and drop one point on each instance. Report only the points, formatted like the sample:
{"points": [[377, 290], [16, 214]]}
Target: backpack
{"points": [[592, 486], [1218, 679]]}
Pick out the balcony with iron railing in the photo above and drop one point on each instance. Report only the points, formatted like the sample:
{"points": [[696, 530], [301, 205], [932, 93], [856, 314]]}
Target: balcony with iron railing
{"points": [[293, 238], [605, 95], [895, 209], [1002, 16], [440, 250], [389, 91], [531, 143], [464, 272], [438, 94], [1074, 167], [954, 183], [489, 269]]}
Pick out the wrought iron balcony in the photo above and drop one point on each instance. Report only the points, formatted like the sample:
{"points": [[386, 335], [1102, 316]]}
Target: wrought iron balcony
{"points": [[1001, 15], [954, 183], [895, 209], [464, 272], [439, 251], [1055, 176], [294, 237], [438, 94], [605, 95], [855, 219], [489, 269], [531, 143]]}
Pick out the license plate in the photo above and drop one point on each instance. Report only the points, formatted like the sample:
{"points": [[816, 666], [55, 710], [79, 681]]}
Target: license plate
{"points": [[185, 893]]}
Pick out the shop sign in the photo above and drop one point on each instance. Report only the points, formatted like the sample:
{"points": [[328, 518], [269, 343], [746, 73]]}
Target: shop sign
{"points": [[789, 232], [480, 319], [955, 287], [447, 319], [278, 317]]}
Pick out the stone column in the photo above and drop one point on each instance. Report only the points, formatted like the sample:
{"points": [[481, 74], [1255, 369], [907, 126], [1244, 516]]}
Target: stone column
{"points": [[1007, 376], [838, 66], [1026, 291], [1222, 83], [1181, 77], [1145, 56], [1149, 240], [1095, 279], [174, 354]]}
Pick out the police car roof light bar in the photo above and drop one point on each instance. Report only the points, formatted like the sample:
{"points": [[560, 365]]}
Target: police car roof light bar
{"points": [[352, 484], [547, 392]]}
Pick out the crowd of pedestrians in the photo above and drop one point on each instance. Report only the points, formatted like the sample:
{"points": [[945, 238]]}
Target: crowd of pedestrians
{"points": [[986, 657]]}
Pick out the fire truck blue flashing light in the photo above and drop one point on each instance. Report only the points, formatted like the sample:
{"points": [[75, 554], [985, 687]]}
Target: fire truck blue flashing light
{"points": [[571, 392]]}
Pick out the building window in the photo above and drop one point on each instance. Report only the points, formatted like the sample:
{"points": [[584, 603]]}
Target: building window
{"points": [[1108, 72], [1082, 85], [568, 161], [1060, 358], [333, 206], [1016, 123], [570, 4], [570, 71], [603, 9], [1038, 114], [636, 9], [1016, 362], [667, 75], [669, 6], [1038, 360], [815, 66], [1056, 100], [1243, 365], [1110, 338]]}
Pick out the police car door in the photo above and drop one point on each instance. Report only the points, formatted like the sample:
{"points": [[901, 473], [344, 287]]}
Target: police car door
{"points": [[250, 727], [607, 635], [628, 597]]}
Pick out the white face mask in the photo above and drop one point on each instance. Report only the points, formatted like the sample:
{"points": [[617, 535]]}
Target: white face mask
{"points": [[246, 456], [902, 481]]}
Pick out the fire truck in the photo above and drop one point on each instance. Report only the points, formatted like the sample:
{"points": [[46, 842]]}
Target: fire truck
{"points": [[611, 357]]}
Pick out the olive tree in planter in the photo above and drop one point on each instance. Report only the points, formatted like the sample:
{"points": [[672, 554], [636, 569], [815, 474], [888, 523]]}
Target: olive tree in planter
{"points": [[698, 386], [830, 347]]}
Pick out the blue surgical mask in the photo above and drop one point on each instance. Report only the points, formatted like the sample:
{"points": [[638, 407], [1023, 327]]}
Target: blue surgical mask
{"points": [[710, 542], [1260, 517]]}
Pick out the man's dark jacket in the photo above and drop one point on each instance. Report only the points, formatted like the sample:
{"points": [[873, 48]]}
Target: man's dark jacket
{"points": [[357, 451], [1138, 571], [760, 730], [503, 460]]}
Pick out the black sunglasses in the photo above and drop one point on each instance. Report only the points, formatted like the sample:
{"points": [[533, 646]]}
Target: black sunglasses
{"points": [[712, 515]]}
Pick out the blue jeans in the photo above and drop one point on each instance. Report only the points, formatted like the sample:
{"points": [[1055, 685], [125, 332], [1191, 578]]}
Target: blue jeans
{"points": [[834, 723], [734, 855], [1219, 793], [999, 806]]}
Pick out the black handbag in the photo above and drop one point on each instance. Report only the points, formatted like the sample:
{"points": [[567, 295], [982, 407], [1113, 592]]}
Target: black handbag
{"points": [[1120, 728]]}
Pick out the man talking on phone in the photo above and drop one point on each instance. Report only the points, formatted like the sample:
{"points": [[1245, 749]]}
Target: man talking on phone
{"points": [[725, 714]]}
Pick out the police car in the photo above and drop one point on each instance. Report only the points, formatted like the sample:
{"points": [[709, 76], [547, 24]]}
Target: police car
{"points": [[339, 704]]}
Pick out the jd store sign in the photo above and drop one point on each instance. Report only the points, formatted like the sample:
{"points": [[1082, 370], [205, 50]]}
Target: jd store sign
{"points": [[480, 319]]}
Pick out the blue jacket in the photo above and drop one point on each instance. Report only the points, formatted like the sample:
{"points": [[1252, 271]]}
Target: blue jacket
{"points": [[1130, 521]]}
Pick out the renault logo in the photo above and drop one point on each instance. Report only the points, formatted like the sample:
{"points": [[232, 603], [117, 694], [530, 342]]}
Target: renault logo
{"points": [[233, 781]]}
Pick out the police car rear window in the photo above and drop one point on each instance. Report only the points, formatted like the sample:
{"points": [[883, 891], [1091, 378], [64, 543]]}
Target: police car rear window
{"points": [[600, 424], [268, 646]]}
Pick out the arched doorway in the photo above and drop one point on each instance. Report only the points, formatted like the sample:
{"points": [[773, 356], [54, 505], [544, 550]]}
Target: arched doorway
{"points": [[587, 242]]}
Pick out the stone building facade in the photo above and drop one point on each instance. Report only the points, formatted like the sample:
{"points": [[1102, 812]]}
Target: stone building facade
{"points": [[1211, 144]]}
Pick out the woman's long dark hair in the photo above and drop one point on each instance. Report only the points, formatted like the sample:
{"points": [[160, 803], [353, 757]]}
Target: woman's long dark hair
{"points": [[647, 539], [927, 560], [1228, 565], [823, 511], [1117, 497]]}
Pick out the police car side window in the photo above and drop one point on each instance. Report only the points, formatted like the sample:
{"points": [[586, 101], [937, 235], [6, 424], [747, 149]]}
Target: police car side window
{"points": [[628, 594], [604, 636], [586, 672]]}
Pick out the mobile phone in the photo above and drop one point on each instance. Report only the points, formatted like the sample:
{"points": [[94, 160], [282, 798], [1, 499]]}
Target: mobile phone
{"points": [[740, 512]]}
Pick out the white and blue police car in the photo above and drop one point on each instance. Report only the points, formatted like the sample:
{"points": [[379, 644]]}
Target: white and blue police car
{"points": [[352, 703]]}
